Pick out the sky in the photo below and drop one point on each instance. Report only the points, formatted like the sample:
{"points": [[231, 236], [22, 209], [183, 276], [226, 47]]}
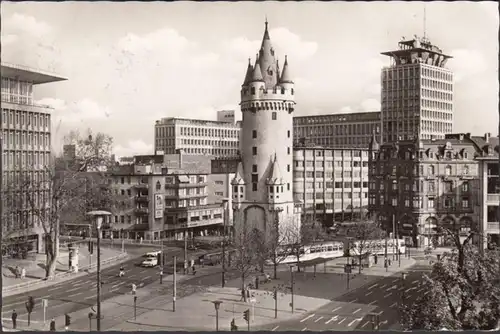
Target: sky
{"points": [[129, 64]]}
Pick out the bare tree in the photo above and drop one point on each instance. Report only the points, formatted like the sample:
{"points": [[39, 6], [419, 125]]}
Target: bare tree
{"points": [[245, 258], [277, 244], [59, 194], [365, 233], [304, 234]]}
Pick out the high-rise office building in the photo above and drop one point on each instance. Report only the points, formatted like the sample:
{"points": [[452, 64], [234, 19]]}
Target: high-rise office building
{"points": [[26, 153], [417, 92]]}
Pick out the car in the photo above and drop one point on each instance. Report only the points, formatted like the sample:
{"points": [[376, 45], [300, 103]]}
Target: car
{"points": [[153, 254], [150, 262]]}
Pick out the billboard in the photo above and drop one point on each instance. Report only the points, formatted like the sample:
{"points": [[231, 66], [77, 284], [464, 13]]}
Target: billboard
{"points": [[158, 206]]}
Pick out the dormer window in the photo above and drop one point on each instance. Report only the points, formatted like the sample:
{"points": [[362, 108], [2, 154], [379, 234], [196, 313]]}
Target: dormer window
{"points": [[466, 170], [448, 155], [466, 155], [448, 170], [282, 90], [291, 91], [252, 90]]}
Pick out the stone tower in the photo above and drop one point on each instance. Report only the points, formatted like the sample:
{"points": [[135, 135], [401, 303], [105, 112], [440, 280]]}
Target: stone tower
{"points": [[263, 185]]}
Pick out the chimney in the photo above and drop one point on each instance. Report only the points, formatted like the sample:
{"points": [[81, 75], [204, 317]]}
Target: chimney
{"points": [[487, 136], [461, 136], [467, 135], [180, 152]]}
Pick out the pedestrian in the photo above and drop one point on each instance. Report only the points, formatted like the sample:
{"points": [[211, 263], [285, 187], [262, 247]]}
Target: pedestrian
{"points": [[14, 319], [202, 263], [134, 288], [16, 272], [23, 273], [375, 258], [53, 325], [242, 294]]}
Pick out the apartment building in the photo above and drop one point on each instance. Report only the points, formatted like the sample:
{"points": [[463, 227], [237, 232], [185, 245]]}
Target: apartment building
{"points": [[196, 136], [26, 152], [163, 196], [418, 185], [337, 130], [332, 184], [417, 92]]}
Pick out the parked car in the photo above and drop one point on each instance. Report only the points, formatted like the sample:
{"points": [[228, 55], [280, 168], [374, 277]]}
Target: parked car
{"points": [[150, 262]]}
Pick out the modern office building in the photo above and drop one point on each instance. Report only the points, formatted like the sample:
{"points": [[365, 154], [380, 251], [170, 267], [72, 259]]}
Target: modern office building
{"points": [[26, 152], [417, 92], [263, 186], [337, 130], [332, 184], [163, 196], [196, 136], [228, 116], [417, 185]]}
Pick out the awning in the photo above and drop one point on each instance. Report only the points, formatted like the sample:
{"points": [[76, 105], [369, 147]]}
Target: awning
{"points": [[183, 179]]}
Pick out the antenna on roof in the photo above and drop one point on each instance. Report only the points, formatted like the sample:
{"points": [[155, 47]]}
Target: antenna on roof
{"points": [[425, 22]]}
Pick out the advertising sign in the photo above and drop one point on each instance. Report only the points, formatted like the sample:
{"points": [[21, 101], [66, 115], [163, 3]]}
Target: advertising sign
{"points": [[159, 206]]}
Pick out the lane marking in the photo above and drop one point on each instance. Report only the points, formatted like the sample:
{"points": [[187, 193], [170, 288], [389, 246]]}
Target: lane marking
{"points": [[22, 320], [350, 324], [308, 317], [366, 323], [275, 328], [426, 292], [369, 293], [355, 300], [393, 304], [117, 285], [387, 295], [383, 286], [90, 297], [52, 288], [75, 294], [318, 319], [380, 313], [74, 289], [341, 321], [383, 322], [374, 285], [147, 277], [373, 302], [331, 319], [337, 308], [415, 281], [356, 311], [392, 288], [303, 329], [397, 279]]}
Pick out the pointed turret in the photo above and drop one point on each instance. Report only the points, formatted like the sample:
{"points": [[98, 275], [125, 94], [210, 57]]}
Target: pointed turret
{"points": [[374, 145], [248, 75], [285, 74], [257, 73], [275, 177], [238, 178], [267, 61], [278, 75]]}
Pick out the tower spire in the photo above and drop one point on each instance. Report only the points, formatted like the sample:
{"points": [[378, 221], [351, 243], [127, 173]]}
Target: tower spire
{"points": [[425, 22]]}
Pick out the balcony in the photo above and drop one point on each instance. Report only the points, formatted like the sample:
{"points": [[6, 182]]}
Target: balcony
{"points": [[141, 211], [493, 227], [142, 198], [192, 185], [141, 186], [493, 198]]}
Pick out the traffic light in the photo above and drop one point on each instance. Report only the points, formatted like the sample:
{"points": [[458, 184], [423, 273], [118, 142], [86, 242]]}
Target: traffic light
{"points": [[67, 321], [30, 305], [275, 294], [91, 247], [246, 315]]}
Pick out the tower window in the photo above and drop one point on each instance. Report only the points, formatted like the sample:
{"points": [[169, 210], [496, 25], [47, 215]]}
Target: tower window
{"points": [[288, 150], [254, 186], [292, 91], [288, 186], [282, 90], [254, 134], [274, 115], [255, 178], [254, 168], [287, 168], [288, 133], [252, 90], [254, 150]]}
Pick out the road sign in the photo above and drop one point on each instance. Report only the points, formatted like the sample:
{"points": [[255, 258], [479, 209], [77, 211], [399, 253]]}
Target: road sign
{"points": [[45, 303], [347, 268]]}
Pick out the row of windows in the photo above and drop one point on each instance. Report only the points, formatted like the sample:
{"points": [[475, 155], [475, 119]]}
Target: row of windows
{"points": [[265, 90], [330, 164], [415, 71], [447, 186], [15, 139], [329, 119], [418, 203], [256, 106], [344, 129], [209, 132], [206, 142], [446, 116], [16, 87], [433, 126], [403, 169], [31, 160], [213, 151], [330, 196], [336, 185], [23, 118]]}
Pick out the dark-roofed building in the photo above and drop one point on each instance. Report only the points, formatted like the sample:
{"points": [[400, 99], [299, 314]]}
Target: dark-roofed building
{"points": [[417, 185]]}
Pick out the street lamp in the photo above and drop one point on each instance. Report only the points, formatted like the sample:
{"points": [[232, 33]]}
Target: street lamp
{"points": [[98, 217], [403, 278], [217, 305], [224, 240]]}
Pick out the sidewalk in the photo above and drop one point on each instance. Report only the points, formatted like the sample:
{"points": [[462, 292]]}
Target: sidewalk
{"points": [[35, 269]]}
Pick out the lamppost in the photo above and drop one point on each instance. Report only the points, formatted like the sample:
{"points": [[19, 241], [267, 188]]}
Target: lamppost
{"points": [[98, 217], [403, 279], [217, 305], [224, 240]]}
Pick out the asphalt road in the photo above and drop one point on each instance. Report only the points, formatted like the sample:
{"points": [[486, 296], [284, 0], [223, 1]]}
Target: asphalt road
{"points": [[350, 311], [73, 295]]}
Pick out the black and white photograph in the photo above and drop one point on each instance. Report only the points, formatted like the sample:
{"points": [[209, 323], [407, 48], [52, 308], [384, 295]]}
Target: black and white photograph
{"points": [[250, 166]]}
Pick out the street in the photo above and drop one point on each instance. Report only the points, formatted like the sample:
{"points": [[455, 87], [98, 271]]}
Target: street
{"points": [[79, 293], [350, 311]]}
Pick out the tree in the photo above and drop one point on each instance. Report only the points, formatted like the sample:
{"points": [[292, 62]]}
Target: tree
{"points": [[61, 193], [277, 245], [365, 234], [304, 234], [245, 258], [463, 291]]}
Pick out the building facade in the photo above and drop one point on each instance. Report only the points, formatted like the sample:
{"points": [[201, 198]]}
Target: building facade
{"points": [[195, 136], [332, 184], [228, 116], [26, 152], [263, 186], [417, 92], [416, 186], [162, 196], [337, 130]]}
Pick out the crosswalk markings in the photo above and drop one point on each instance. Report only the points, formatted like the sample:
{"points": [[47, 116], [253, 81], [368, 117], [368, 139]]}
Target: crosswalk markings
{"points": [[332, 319], [275, 328], [397, 279], [308, 317], [341, 321], [392, 288], [374, 285], [383, 286], [355, 300], [393, 304], [380, 313], [356, 311], [352, 322], [415, 281], [383, 322], [387, 295], [337, 308], [318, 319], [373, 302], [369, 293], [366, 323], [304, 329]]}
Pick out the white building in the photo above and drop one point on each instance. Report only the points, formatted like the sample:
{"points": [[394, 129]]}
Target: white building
{"points": [[227, 116], [263, 184]]}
